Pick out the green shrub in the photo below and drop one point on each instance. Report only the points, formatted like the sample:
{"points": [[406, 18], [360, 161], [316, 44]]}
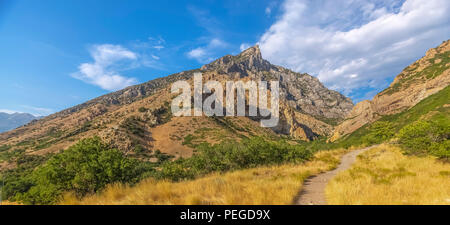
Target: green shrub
{"points": [[426, 137], [188, 140], [441, 150], [84, 168], [162, 157], [17, 180], [142, 109], [163, 114], [10, 156], [379, 131], [133, 125], [4, 148], [231, 155]]}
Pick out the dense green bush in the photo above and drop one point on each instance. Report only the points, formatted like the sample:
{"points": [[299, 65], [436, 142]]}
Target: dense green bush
{"points": [[17, 180], [426, 137], [379, 131], [84, 168], [231, 155]]}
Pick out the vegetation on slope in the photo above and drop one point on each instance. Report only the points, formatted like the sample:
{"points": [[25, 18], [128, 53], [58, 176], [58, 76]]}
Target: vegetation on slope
{"points": [[437, 65], [278, 184], [425, 128], [88, 166], [84, 168], [232, 155], [383, 175]]}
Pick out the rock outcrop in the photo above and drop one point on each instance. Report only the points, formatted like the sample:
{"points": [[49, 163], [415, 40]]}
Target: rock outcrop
{"points": [[301, 91], [421, 79]]}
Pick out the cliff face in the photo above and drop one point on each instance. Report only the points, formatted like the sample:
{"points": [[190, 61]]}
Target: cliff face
{"points": [[307, 108], [302, 92], [419, 80]]}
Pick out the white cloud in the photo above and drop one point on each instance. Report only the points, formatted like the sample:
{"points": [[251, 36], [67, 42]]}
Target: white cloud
{"points": [[157, 42], [197, 53], [268, 11], [104, 72], [206, 53], [355, 45]]}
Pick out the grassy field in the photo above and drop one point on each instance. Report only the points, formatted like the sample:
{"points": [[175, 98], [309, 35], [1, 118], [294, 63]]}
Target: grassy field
{"points": [[384, 175], [263, 185]]}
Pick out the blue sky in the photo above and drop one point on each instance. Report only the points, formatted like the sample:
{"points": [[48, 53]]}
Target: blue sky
{"points": [[55, 54]]}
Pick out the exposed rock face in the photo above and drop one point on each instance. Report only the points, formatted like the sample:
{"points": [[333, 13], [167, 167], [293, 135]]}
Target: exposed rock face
{"points": [[305, 101], [302, 92], [249, 60], [421, 79]]}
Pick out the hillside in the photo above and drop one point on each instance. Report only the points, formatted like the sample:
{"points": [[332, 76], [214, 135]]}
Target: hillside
{"points": [[14, 120], [137, 119], [416, 82], [428, 122]]}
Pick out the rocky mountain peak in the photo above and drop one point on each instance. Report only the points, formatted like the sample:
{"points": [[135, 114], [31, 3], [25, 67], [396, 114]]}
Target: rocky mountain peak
{"points": [[252, 52], [248, 60]]}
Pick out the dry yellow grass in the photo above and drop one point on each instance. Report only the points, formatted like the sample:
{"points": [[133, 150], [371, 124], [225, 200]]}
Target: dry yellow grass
{"points": [[264, 185], [9, 203], [384, 175]]}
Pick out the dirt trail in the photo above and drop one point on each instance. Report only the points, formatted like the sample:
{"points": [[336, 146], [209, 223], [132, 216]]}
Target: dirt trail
{"points": [[313, 190]]}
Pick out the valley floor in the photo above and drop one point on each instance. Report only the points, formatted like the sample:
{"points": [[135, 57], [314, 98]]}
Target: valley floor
{"points": [[380, 175], [274, 185], [383, 175]]}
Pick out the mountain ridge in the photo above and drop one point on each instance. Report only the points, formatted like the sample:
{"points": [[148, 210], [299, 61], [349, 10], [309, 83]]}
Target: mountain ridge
{"points": [[425, 77], [138, 115]]}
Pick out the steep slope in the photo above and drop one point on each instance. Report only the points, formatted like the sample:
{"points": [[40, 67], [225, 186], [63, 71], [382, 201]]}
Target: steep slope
{"points": [[307, 108], [416, 82], [138, 118], [14, 120], [302, 92]]}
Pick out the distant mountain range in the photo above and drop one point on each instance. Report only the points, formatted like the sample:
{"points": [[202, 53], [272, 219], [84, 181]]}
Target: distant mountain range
{"points": [[12, 121]]}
